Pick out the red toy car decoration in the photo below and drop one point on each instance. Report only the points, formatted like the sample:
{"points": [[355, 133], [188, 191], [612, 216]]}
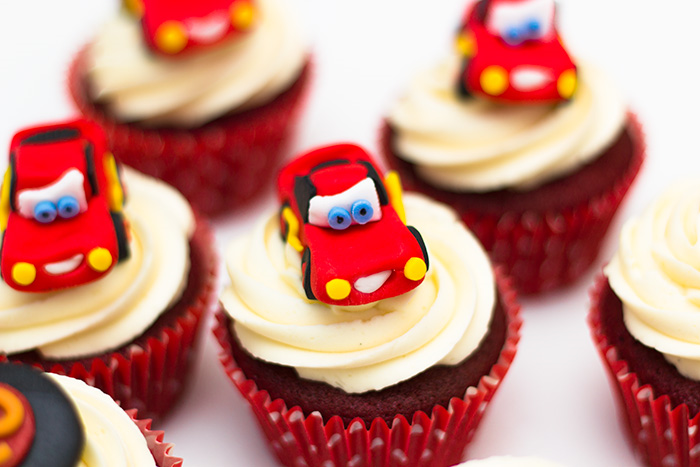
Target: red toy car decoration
{"points": [[173, 27], [513, 53], [349, 225], [60, 208]]}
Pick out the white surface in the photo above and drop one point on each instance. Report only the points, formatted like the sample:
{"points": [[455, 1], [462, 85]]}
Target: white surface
{"points": [[555, 403]]}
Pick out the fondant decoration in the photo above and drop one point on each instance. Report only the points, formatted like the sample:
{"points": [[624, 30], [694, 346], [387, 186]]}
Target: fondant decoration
{"points": [[174, 27], [512, 53], [39, 425], [16, 426], [60, 208], [349, 225]]}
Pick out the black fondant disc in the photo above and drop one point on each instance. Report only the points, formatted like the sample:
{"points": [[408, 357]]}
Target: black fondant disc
{"points": [[59, 437]]}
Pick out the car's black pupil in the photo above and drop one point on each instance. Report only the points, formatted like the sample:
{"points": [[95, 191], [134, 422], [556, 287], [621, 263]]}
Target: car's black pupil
{"points": [[363, 211], [339, 220]]}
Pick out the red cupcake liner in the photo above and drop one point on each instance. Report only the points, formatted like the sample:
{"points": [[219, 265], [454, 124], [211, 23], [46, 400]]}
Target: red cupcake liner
{"points": [[438, 439], [549, 249], [662, 434], [159, 449], [217, 166], [150, 374]]}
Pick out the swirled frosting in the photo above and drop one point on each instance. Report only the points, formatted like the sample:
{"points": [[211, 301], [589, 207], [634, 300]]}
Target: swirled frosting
{"points": [[475, 145], [509, 461], [245, 72], [112, 439], [115, 309], [656, 275], [369, 347]]}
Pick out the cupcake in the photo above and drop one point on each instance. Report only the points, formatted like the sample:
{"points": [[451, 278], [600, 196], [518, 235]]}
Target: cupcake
{"points": [[644, 318], [202, 95], [95, 287], [362, 326], [534, 152], [55, 421]]}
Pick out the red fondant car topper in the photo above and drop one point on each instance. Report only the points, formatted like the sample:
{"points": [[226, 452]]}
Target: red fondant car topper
{"points": [[173, 27], [60, 208], [512, 52], [349, 225]]}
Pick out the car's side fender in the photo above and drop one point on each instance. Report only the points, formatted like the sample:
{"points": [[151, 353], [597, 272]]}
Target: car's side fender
{"points": [[395, 191]]}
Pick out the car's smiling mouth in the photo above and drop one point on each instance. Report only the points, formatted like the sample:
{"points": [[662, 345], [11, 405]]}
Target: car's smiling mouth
{"points": [[369, 284], [65, 266], [209, 29]]}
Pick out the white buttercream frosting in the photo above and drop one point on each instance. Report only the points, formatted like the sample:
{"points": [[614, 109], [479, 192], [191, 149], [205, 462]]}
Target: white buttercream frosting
{"points": [[509, 461], [113, 310], [112, 439], [247, 71], [442, 321], [656, 275], [476, 145]]}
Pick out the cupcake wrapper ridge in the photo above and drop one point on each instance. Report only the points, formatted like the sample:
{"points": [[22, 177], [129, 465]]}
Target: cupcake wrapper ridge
{"points": [[150, 376], [159, 449], [547, 250], [217, 166], [661, 434], [437, 439]]}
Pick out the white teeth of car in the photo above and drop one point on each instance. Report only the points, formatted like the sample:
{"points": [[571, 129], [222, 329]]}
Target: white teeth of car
{"points": [[209, 29], [372, 283], [63, 267], [529, 78]]}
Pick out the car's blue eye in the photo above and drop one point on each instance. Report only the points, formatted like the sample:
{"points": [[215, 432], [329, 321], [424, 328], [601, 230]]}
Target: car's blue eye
{"points": [[512, 36], [339, 218], [45, 212], [362, 211], [533, 27], [68, 207]]}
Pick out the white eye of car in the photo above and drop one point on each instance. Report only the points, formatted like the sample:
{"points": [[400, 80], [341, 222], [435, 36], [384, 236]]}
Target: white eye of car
{"points": [[516, 23], [358, 204], [64, 198]]}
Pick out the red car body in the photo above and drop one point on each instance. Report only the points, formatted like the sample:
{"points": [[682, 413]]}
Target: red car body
{"points": [[173, 27], [362, 262], [49, 165], [537, 70]]}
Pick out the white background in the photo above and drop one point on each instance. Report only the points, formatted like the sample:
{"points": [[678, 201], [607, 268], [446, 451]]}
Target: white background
{"points": [[555, 402]]}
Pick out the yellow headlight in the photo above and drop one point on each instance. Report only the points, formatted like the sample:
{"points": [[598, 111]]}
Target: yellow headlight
{"points": [[23, 273], [171, 37], [415, 269], [494, 80], [338, 289], [99, 259]]}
